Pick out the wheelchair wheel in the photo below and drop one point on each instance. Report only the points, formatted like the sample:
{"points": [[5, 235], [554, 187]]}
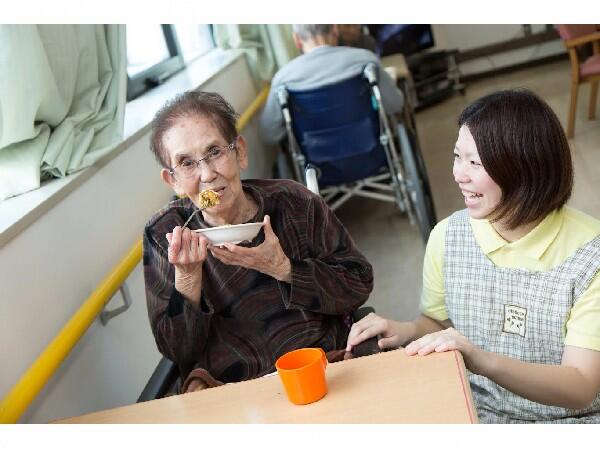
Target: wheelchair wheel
{"points": [[418, 186]]}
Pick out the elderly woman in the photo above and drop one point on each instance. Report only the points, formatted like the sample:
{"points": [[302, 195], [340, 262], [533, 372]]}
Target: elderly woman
{"points": [[512, 281], [232, 311]]}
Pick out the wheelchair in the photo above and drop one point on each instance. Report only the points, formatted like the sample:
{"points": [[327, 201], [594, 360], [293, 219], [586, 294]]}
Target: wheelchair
{"points": [[341, 143]]}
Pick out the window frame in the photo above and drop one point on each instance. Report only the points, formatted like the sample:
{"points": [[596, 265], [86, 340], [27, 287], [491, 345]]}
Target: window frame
{"points": [[158, 73]]}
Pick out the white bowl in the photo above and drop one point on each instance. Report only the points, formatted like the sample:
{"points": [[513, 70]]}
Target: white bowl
{"points": [[234, 234]]}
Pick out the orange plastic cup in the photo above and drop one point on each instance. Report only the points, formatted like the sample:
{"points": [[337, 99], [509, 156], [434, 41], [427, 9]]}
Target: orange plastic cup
{"points": [[302, 373]]}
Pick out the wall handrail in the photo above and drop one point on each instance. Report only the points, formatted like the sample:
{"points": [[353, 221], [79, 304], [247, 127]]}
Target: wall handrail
{"points": [[253, 107], [18, 399]]}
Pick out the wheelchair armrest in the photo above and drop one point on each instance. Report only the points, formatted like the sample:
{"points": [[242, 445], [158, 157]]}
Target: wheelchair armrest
{"points": [[162, 379], [362, 312], [370, 346]]}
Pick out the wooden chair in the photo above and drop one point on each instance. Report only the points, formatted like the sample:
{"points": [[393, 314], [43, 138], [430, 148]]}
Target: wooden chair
{"points": [[575, 36]]}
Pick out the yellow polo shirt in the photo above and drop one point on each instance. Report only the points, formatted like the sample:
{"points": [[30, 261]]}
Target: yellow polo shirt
{"points": [[556, 238]]}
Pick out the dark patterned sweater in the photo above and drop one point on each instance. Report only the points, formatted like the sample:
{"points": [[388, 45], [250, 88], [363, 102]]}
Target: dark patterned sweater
{"points": [[247, 319]]}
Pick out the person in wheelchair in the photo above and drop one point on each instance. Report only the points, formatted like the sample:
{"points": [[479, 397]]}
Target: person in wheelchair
{"points": [[322, 63], [336, 111], [225, 314]]}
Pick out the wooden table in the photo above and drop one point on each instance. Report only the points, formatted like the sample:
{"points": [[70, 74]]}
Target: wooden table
{"points": [[389, 387]]}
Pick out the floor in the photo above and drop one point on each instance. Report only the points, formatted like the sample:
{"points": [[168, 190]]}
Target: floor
{"points": [[394, 247]]}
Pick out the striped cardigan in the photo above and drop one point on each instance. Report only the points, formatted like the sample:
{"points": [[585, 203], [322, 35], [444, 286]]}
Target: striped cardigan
{"points": [[248, 319]]}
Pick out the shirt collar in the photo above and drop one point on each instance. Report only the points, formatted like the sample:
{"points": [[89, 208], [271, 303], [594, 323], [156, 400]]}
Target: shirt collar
{"points": [[534, 244], [318, 48]]}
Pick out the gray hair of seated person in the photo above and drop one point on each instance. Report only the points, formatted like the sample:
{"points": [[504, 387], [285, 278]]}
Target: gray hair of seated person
{"points": [[306, 32], [188, 105]]}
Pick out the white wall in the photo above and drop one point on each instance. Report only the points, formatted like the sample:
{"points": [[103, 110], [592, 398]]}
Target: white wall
{"points": [[49, 269], [466, 37]]}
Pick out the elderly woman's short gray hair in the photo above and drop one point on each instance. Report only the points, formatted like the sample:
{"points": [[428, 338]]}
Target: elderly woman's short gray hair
{"points": [[311, 31]]}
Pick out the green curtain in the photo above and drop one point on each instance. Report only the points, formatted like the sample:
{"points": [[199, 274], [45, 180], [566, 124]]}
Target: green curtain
{"points": [[268, 47], [62, 100]]}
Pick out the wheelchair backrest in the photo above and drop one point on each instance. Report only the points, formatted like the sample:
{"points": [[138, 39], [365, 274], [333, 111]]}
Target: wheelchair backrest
{"points": [[337, 129]]}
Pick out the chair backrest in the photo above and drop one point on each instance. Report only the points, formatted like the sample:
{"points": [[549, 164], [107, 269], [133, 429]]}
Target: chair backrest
{"points": [[567, 32], [337, 128]]}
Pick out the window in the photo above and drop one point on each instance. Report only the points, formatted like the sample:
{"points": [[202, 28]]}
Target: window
{"points": [[195, 40], [146, 47], [156, 52]]}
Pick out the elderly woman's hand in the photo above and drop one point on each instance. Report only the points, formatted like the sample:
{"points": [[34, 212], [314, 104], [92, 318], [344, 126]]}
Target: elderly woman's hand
{"points": [[187, 252], [267, 257], [390, 334]]}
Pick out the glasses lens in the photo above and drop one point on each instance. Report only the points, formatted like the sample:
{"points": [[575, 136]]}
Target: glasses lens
{"points": [[187, 169], [215, 154]]}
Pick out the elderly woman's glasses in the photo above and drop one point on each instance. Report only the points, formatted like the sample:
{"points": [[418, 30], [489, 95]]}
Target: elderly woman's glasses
{"points": [[189, 167]]}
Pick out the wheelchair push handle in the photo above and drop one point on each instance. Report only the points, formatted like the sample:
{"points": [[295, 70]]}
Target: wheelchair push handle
{"points": [[311, 179], [282, 97], [370, 73]]}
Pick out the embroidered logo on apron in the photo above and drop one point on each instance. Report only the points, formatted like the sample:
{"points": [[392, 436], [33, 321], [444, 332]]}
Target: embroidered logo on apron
{"points": [[514, 320]]}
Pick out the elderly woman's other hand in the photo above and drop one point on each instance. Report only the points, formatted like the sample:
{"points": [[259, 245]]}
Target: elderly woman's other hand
{"points": [[268, 257], [390, 333]]}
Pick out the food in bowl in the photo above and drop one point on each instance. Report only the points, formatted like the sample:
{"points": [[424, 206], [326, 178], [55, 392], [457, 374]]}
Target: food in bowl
{"points": [[208, 198]]}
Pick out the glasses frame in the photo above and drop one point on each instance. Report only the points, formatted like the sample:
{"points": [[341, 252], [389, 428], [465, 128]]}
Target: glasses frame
{"points": [[230, 146]]}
